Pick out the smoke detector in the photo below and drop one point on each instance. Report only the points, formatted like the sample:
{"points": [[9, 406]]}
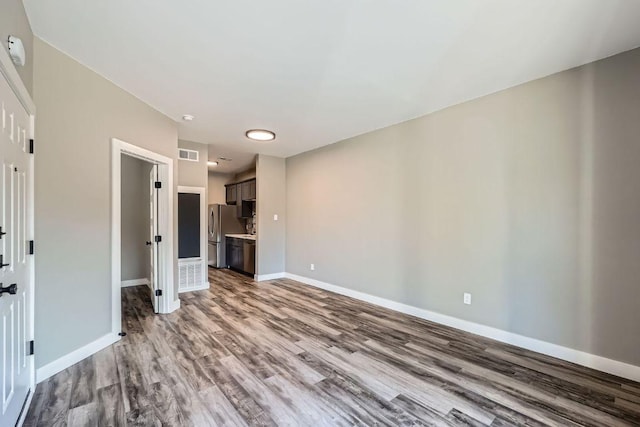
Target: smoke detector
{"points": [[16, 51]]}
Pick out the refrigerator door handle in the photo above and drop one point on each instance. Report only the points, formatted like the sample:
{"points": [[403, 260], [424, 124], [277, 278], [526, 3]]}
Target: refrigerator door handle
{"points": [[213, 230]]}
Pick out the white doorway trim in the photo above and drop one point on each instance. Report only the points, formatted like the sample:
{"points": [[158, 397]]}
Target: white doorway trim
{"points": [[165, 226], [8, 70], [201, 261], [13, 78]]}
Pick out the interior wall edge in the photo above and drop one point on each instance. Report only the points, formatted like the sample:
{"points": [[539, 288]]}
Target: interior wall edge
{"points": [[265, 277]]}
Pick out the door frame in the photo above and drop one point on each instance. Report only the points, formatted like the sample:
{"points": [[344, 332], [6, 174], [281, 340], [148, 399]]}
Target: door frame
{"points": [[203, 259], [9, 72], [165, 227]]}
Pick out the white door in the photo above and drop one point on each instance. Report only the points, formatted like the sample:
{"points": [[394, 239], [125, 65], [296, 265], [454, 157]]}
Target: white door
{"points": [[15, 220], [153, 232]]}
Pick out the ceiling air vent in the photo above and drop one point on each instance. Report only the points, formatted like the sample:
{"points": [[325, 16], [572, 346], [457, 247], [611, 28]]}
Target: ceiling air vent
{"points": [[191, 155]]}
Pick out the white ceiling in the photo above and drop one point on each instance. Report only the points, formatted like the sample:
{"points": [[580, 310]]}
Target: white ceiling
{"points": [[319, 71], [236, 161]]}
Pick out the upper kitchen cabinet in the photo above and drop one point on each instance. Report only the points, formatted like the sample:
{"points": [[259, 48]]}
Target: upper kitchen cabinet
{"points": [[243, 195], [232, 194], [248, 190], [241, 191]]}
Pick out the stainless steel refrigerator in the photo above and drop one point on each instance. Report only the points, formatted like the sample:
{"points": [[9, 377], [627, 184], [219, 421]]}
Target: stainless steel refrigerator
{"points": [[222, 220]]}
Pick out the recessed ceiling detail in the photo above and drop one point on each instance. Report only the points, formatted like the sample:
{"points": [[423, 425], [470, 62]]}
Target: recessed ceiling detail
{"points": [[320, 71]]}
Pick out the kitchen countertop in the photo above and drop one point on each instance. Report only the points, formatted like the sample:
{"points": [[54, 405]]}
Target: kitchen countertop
{"points": [[242, 236]]}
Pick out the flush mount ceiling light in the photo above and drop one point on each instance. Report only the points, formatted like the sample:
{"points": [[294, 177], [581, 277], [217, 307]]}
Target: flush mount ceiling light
{"points": [[188, 117], [212, 163], [260, 135]]}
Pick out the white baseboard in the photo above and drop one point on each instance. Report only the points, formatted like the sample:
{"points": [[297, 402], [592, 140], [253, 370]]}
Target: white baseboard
{"points": [[174, 306], [273, 276], [75, 356], [593, 361], [202, 287], [134, 282]]}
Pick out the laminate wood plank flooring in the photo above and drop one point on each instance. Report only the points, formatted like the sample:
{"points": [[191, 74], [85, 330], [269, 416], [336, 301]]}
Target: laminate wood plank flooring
{"points": [[282, 353]]}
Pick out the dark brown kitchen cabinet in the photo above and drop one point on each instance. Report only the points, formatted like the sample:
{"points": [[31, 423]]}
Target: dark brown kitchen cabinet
{"points": [[243, 195], [248, 190], [232, 194]]}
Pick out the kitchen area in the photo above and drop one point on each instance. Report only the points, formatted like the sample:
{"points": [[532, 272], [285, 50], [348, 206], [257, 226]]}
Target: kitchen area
{"points": [[245, 229], [232, 228], [242, 215]]}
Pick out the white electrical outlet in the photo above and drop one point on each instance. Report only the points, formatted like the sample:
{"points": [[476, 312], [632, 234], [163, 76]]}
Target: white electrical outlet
{"points": [[467, 298], [312, 267], [275, 217]]}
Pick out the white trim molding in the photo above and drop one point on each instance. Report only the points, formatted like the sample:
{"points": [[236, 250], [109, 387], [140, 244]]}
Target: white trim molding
{"points": [[165, 223], [593, 361], [273, 276], [134, 282], [202, 287], [15, 82], [75, 356], [174, 305], [196, 264]]}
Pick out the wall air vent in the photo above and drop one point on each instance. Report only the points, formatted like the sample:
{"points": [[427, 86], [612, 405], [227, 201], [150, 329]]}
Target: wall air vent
{"points": [[190, 275], [190, 155]]}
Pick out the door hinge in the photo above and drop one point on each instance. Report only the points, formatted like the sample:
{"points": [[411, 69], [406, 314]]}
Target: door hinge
{"points": [[31, 146], [158, 292], [158, 184], [2, 233], [31, 249], [158, 239], [31, 349]]}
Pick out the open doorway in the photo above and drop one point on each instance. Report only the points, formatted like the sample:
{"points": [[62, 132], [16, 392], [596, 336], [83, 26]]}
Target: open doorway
{"points": [[142, 226], [139, 226]]}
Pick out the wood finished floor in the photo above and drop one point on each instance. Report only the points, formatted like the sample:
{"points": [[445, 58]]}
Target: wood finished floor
{"points": [[282, 353]]}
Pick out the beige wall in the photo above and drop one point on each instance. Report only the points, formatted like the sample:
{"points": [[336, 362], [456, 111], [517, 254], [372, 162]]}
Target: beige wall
{"points": [[216, 190], [245, 175], [270, 201], [527, 198], [135, 218], [78, 113], [14, 22], [193, 174]]}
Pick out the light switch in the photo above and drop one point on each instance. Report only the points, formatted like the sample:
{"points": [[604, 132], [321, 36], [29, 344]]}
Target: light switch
{"points": [[275, 217]]}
